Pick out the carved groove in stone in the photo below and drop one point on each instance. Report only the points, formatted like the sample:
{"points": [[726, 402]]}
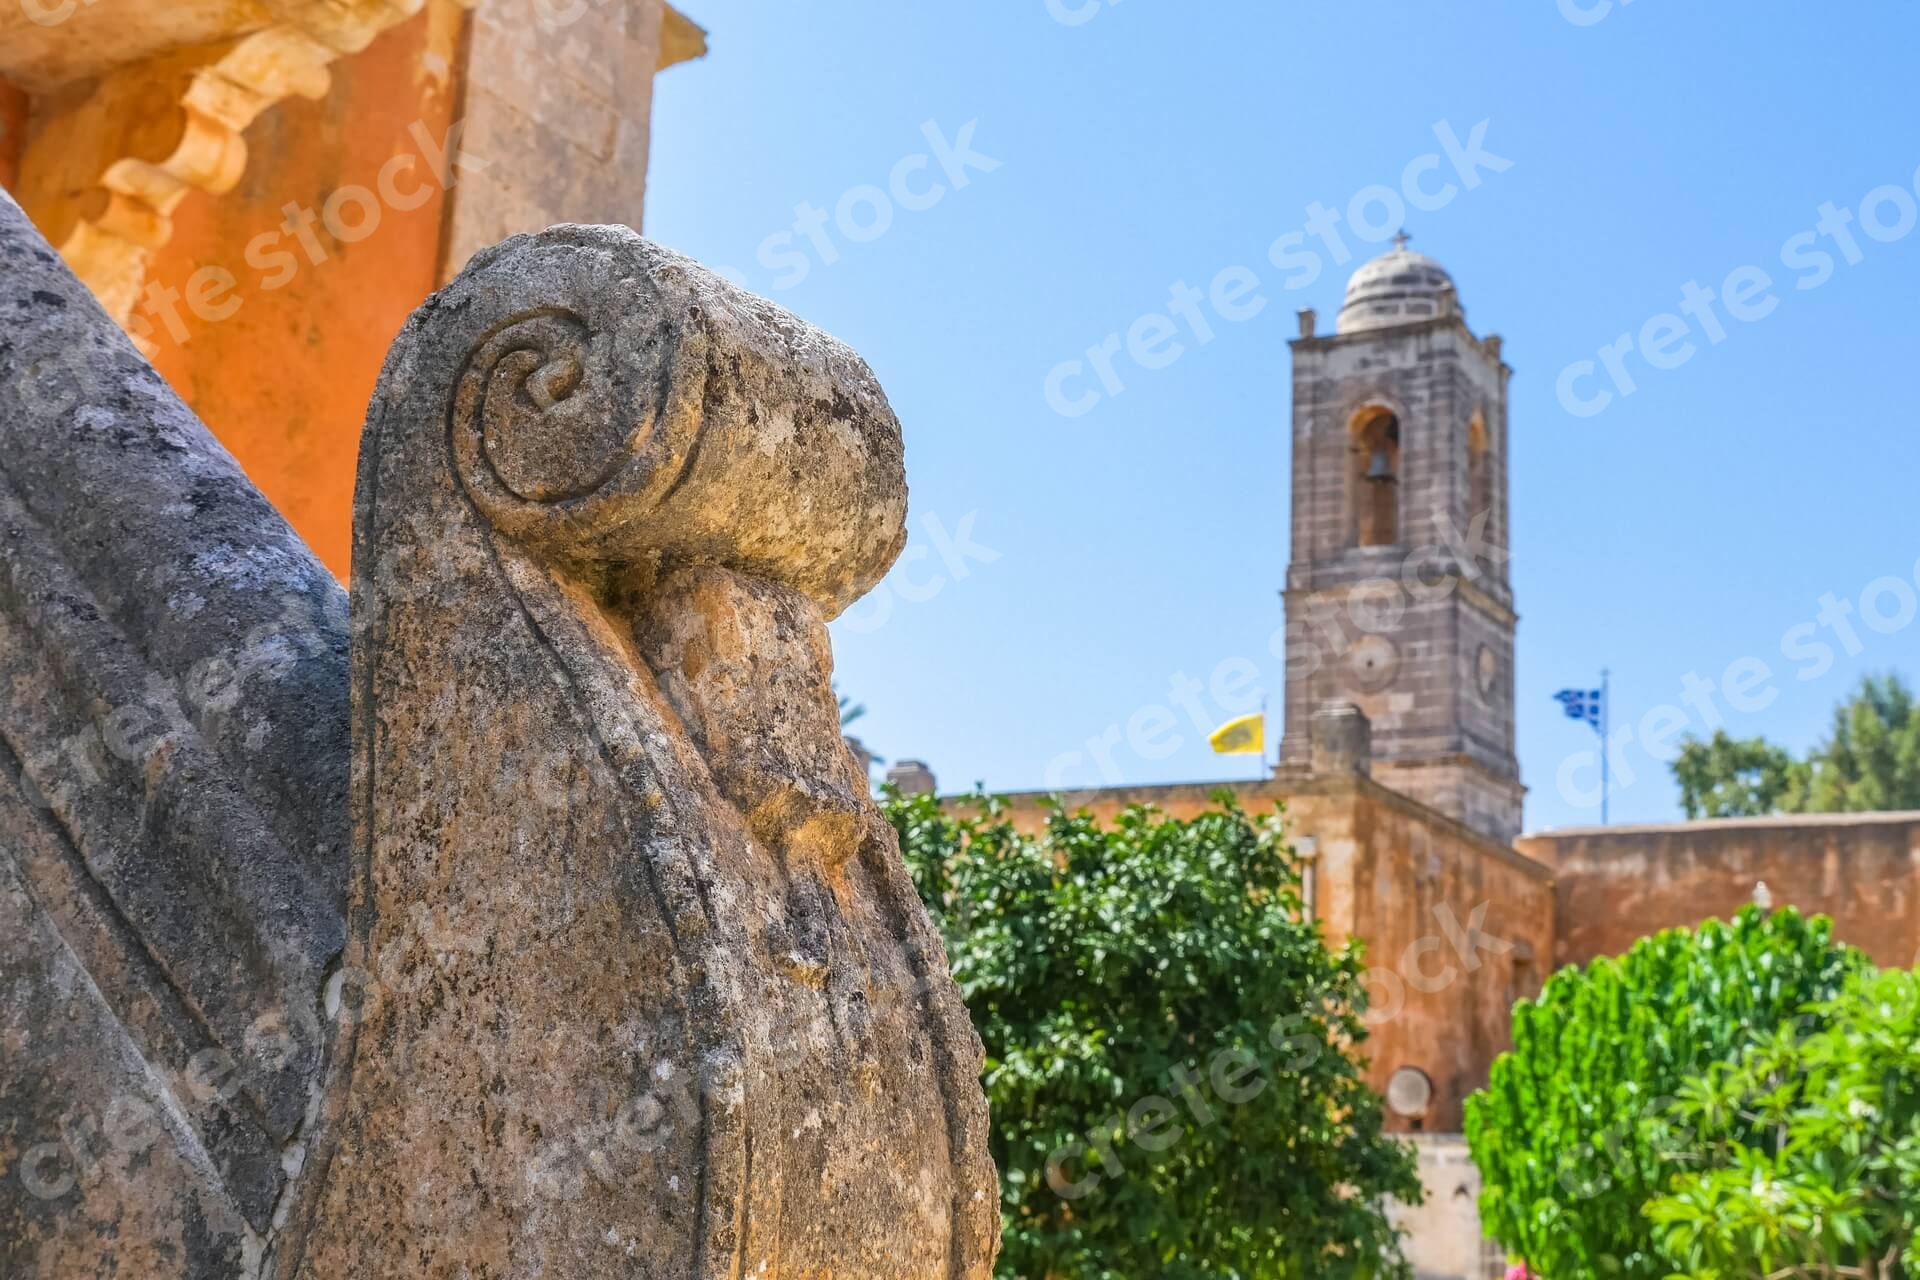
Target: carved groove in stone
{"points": [[173, 747], [534, 424]]}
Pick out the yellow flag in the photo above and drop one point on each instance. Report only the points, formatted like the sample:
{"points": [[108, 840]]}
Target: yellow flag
{"points": [[1246, 736]]}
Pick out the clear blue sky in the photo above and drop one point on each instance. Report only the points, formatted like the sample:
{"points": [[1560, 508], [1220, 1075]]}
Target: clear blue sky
{"points": [[1683, 527]]}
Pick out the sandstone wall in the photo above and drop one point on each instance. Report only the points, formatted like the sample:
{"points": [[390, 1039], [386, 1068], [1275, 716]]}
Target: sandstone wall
{"points": [[13, 131]]}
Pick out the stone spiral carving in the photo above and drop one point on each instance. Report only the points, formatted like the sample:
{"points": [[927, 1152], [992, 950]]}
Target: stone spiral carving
{"points": [[639, 985], [523, 433], [571, 429]]}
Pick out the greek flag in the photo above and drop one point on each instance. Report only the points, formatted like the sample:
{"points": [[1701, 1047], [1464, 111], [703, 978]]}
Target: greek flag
{"points": [[1582, 704]]}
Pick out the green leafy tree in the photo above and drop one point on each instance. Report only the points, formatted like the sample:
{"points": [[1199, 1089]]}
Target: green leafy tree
{"points": [[1573, 1130], [1169, 1047], [1730, 777], [1806, 1151], [1870, 761]]}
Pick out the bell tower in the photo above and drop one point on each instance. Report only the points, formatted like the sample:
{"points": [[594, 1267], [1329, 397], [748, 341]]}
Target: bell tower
{"points": [[1398, 599]]}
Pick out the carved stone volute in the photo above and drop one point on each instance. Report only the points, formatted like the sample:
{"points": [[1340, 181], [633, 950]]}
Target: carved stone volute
{"points": [[635, 982]]}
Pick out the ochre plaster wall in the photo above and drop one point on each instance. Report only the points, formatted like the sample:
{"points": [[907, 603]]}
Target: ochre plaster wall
{"points": [[1617, 884], [13, 132], [1409, 883], [285, 380]]}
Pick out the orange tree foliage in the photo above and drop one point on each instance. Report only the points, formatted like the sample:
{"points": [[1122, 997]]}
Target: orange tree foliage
{"points": [[1169, 1048]]}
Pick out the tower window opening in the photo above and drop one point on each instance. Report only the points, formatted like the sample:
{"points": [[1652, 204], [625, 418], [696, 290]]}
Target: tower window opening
{"points": [[1480, 483], [1376, 478]]}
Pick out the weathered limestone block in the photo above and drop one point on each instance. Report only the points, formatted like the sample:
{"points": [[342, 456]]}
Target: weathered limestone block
{"points": [[618, 972]]}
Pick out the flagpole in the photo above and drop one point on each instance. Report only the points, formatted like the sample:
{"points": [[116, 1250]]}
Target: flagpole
{"points": [[1261, 775], [1606, 720]]}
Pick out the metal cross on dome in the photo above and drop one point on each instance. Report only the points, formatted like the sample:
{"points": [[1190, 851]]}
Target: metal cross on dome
{"points": [[1400, 239]]}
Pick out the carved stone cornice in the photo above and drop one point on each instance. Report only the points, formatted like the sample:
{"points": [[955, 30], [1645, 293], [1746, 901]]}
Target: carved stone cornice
{"points": [[255, 54], [110, 250]]}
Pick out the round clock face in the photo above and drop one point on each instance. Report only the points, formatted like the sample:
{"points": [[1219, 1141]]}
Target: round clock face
{"points": [[1372, 662], [1486, 671]]}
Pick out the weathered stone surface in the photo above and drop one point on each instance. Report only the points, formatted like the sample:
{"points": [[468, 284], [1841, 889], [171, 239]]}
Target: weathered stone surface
{"points": [[173, 749], [618, 971], [650, 993]]}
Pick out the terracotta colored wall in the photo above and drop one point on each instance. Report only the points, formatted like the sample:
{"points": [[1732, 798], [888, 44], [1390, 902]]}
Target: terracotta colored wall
{"points": [[285, 380], [1386, 865], [1415, 881], [1027, 812], [1618, 884]]}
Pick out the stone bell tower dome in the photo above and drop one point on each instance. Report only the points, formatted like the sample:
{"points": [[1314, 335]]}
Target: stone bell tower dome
{"points": [[1397, 287], [1398, 599]]}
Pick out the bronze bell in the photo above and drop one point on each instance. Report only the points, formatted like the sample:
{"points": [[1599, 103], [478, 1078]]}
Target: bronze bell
{"points": [[1381, 468]]}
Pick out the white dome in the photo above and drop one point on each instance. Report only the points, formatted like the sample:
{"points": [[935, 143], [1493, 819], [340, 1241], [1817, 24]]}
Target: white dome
{"points": [[1398, 287]]}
